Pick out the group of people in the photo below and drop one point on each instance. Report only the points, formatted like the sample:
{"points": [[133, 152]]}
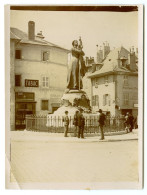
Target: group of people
{"points": [[130, 122], [79, 123]]}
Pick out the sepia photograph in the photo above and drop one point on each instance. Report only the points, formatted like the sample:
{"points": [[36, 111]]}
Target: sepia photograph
{"points": [[74, 97]]}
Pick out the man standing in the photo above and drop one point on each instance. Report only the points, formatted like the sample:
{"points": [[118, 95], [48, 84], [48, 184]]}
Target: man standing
{"points": [[81, 124], [131, 118], [66, 123], [75, 123], [127, 122], [101, 121]]}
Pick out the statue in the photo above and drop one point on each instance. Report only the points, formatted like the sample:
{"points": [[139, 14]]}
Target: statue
{"points": [[76, 66], [73, 98]]}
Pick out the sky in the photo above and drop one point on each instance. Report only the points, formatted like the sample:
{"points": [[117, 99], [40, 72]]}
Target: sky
{"points": [[61, 28]]}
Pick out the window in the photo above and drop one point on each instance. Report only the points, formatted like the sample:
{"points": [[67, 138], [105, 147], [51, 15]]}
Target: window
{"points": [[17, 80], [44, 105], [96, 83], [45, 82], [125, 80], [106, 79], [106, 100], [95, 100], [126, 99], [45, 56], [18, 54], [93, 82]]}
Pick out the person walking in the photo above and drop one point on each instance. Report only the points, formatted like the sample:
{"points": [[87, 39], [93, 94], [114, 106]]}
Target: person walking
{"points": [[66, 123], [101, 120], [81, 124], [75, 123]]}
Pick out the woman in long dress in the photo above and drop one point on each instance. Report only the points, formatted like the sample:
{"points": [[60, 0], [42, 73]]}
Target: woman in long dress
{"points": [[76, 67]]}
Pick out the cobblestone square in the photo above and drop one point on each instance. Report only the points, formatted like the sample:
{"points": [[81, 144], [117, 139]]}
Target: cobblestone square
{"points": [[42, 157]]}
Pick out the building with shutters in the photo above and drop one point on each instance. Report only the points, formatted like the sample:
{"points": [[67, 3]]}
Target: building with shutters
{"points": [[114, 83], [38, 74]]}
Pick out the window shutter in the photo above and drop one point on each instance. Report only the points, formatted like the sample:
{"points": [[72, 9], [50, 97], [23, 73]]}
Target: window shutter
{"points": [[96, 100], [128, 99], [96, 83], [104, 100], [92, 100], [93, 82], [109, 100], [124, 99]]}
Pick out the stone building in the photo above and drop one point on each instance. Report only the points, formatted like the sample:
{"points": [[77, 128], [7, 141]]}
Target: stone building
{"points": [[114, 83], [38, 76]]}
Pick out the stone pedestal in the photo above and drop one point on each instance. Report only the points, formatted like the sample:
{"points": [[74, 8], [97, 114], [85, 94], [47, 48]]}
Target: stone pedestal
{"points": [[73, 100]]}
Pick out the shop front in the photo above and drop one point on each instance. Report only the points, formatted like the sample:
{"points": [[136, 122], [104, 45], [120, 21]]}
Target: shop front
{"points": [[24, 105]]}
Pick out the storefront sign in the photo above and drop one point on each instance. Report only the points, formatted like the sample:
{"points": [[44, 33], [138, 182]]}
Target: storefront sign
{"points": [[31, 83], [24, 96]]}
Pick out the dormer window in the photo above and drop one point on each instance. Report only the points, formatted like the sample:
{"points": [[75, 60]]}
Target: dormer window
{"points": [[45, 56], [123, 61]]}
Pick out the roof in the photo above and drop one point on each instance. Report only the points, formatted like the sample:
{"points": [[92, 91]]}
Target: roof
{"points": [[13, 36], [15, 33], [110, 63]]}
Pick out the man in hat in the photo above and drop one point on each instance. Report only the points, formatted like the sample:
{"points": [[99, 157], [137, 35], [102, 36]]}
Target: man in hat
{"points": [[66, 123], [75, 123], [101, 120], [81, 123]]}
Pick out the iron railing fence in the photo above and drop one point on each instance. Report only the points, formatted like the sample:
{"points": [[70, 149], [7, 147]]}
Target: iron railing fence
{"points": [[55, 124]]}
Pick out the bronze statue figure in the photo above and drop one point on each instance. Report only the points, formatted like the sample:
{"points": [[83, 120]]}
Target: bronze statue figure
{"points": [[76, 66]]}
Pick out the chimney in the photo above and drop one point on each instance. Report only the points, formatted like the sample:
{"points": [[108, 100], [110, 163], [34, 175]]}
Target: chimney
{"points": [[118, 59], [40, 35], [31, 30], [106, 49], [132, 61]]}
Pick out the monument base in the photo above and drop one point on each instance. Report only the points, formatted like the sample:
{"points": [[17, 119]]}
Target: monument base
{"points": [[77, 99], [72, 101]]}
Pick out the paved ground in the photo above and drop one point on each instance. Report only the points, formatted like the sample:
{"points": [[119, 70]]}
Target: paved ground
{"points": [[44, 157]]}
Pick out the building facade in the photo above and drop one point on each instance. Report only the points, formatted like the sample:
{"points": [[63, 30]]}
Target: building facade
{"points": [[40, 74], [114, 83]]}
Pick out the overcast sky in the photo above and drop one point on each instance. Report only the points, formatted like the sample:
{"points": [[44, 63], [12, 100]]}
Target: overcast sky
{"points": [[117, 28]]}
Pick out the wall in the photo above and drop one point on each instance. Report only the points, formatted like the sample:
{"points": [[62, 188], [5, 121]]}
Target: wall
{"points": [[131, 89], [12, 85], [103, 89], [32, 68], [34, 53]]}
